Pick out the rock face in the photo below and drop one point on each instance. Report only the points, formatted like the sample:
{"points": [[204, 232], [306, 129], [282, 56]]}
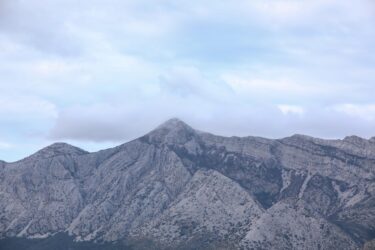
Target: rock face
{"points": [[185, 189]]}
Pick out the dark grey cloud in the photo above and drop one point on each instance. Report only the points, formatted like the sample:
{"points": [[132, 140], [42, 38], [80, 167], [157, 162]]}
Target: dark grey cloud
{"points": [[101, 123]]}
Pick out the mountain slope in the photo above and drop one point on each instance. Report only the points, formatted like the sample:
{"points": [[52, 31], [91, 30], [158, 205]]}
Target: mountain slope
{"points": [[182, 188], [203, 208]]}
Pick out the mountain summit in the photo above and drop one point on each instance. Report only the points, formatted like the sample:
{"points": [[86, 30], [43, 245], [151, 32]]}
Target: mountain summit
{"points": [[176, 188], [171, 131], [59, 148], [173, 123]]}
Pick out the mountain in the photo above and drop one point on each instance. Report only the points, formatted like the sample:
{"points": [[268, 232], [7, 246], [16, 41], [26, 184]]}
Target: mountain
{"points": [[179, 188]]}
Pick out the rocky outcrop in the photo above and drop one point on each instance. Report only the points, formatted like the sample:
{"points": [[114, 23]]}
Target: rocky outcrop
{"points": [[203, 208], [293, 224], [183, 188]]}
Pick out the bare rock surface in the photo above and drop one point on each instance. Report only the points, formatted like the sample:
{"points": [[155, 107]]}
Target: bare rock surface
{"points": [[177, 186]]}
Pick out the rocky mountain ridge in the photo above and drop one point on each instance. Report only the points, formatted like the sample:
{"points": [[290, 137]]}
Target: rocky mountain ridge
{"points": [[177, 186]]}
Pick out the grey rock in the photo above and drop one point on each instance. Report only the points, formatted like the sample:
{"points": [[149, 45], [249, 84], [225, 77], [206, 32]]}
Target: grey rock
{"points": [[290, 225], [203, 207], [175, 185], [370, 245]]}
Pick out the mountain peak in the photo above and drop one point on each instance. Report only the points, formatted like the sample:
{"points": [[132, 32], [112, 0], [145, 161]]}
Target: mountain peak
{"points": [[58, 148], [173, 123], [354, 139], [298, 137], [172, 131], [301, 136]]}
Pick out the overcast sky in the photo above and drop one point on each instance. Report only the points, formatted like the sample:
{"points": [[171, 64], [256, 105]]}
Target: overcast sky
{"points": [[97, 73]]}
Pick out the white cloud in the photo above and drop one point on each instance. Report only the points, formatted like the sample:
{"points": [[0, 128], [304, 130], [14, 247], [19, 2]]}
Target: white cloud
{"points": [[269, 87], [26, 107], [5, 145], [363, 111], [190, 81], [291, 109], [110, 71], [55, 68], [285, 10]]}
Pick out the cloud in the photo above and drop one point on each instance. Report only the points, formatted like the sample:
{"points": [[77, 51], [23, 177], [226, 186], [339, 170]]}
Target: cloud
{"points": [[190, 81], [47, 68], [24, 119], [279, 86], [99, 72], [5, 145], [361, 111], [100, 122], [184, 81], [291, 109], [127, 119], [24, 107]]}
